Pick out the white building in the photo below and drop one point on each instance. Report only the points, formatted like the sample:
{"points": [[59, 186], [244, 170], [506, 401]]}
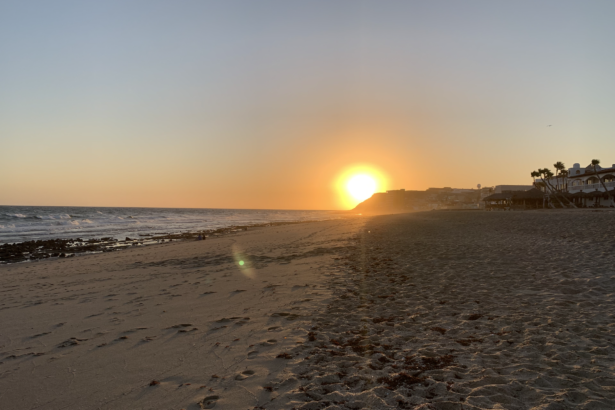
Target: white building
{"points": [[585, 179], [585, 186]]}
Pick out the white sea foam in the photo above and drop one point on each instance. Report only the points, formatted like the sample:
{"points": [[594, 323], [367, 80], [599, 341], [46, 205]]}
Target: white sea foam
{"points": [[27, 223]]}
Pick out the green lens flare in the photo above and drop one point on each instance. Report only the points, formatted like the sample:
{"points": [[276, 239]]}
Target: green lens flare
{"points": [[242, 262]]}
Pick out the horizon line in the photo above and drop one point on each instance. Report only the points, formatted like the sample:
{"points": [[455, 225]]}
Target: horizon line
{"points": [[162, 207]]}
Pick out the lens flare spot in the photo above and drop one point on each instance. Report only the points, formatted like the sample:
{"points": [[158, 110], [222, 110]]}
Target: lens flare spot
{"points": [[243, 262]]}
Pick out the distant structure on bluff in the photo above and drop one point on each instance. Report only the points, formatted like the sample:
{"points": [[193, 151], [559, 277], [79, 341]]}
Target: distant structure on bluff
{"points": [[400, 200]]}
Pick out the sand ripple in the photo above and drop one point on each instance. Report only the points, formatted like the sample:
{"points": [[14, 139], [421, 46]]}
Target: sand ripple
{"points": [[465, 310]]}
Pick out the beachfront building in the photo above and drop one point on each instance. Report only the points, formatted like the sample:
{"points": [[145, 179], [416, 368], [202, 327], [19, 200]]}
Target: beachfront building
{"points": [[588, 187], [508, 188], [585, 179], [515, 199], [583, 186]]}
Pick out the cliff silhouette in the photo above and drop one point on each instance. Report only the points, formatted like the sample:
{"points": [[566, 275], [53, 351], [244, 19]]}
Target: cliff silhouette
{"points": [[401, 200]]}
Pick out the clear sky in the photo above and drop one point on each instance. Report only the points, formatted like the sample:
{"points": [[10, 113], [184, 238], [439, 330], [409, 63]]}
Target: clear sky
{"points": [[263, 104]]}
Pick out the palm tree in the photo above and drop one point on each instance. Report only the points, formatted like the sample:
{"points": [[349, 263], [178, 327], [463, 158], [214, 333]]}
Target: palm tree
{"points": [[597, 162], [535, 174], [556, 192], [564, 175], [559, 167], [538, 174], [560, 171], [546, 174]]}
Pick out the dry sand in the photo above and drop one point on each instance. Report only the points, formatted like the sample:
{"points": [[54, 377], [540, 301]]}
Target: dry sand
{"points": [[442, 310]]}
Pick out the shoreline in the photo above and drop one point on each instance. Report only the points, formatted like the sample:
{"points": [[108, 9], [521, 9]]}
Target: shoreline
{"points": [[36, 250], [23, 224]]}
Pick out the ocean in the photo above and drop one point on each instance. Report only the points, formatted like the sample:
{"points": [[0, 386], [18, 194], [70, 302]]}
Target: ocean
{"points": [[26, 223]]}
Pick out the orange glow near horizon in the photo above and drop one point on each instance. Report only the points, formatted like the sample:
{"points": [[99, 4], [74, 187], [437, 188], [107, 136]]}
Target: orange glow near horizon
{"points": [[358, 183]]}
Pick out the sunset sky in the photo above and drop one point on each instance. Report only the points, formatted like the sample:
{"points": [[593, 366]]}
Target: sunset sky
{"points": [[264, 104]]}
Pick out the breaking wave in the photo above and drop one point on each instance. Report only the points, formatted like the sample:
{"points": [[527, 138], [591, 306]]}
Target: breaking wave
{"points": [[20, 223]]}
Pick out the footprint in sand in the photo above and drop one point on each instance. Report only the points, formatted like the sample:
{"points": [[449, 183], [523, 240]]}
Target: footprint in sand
{"points": [[209, 402], [73, 341], [269, 342], [288, 316], [227, 319], [271, 329], [136, 329], [180, 326], [252, 354], [244, 375]]}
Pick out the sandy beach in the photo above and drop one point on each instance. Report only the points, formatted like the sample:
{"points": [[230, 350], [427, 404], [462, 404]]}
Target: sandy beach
{"points": [[434, 310]]}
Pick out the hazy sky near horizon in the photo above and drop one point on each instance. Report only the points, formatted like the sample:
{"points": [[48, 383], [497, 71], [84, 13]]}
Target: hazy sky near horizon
{"points": [[262, 104]]}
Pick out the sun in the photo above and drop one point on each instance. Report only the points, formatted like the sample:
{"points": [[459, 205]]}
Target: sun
{"points": [[361, 186], [358, 182]]}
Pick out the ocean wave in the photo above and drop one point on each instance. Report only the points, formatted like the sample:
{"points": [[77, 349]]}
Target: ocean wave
{"points": [[53, 217], [37, 216], [16, 215], [29, 223]]}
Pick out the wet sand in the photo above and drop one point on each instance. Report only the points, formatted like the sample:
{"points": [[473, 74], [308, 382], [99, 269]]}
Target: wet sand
{"points": [[442, 310], [37, 250]]}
